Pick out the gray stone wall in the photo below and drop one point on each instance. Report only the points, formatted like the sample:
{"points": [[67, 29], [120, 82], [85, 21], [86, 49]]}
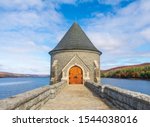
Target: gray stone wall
{"points": [[121, 98], [64, 57], [33, 99]]}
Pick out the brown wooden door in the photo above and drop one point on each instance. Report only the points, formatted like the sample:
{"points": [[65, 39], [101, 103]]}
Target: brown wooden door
{"points": [[75, 75]]}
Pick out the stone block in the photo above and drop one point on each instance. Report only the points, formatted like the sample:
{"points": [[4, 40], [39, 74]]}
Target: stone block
{"points": [[33, 99], [121, 98]]}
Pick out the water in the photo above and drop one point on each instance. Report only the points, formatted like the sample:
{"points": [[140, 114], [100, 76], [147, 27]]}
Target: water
{"points": [[13, 86], [142, 86]]}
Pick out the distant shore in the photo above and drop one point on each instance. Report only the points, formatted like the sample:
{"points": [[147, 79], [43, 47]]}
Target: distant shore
{"points": [[15, 75]]}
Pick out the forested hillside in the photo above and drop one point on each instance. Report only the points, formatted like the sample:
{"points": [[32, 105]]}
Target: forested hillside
{"points": [[15, 75], [141, 71]]}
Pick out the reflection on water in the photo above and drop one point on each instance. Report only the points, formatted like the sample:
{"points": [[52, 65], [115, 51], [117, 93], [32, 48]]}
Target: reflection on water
{"points": [[142, 86], [15, 83], [13, 86]]}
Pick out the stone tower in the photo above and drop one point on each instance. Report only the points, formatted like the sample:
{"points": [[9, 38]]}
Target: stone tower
{"points": [[75, 59]]}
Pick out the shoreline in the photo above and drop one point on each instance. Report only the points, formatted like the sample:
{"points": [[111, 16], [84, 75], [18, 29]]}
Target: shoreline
{"points": [[27, 77]]}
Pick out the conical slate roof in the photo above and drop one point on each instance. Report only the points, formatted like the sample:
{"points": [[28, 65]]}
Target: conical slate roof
{"points": [[75, 39]]}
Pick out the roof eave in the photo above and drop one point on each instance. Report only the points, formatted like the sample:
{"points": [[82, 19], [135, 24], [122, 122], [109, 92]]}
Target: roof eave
{"points": [[52, 51]]}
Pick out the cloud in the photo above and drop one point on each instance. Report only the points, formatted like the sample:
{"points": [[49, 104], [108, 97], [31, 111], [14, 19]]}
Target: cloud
{"points": [[29, 30], [119, 36], [20, 4], [21, 57], [24, 47], [19, 20], [31, 18], [110, 2], [146, 33]]}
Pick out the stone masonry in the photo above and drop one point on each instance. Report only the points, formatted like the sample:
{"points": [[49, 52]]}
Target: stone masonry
{"points": [[33, 99], [85, 59], [121, 98]]}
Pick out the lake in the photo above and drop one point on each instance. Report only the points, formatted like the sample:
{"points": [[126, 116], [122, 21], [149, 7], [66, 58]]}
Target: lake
{"points": [[142, 86], [12, 86]]}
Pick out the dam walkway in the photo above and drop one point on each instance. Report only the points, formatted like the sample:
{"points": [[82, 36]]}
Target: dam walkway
{"points": [[90, 96], [75, 97]]}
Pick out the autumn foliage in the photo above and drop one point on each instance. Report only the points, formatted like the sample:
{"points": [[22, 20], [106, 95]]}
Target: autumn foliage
{"points": [[137, 71]]}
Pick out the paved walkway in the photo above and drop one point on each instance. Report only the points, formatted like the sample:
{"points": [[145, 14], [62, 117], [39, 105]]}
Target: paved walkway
{"points": [[75, 97]]}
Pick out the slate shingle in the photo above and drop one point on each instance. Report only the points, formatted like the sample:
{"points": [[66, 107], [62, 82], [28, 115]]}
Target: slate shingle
{"points": [[75, 39]]}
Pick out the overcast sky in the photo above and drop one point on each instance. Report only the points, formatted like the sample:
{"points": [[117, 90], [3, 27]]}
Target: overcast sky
{"points": [[29, 29]]}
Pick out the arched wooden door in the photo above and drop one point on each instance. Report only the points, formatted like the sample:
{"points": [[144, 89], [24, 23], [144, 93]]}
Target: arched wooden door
{"points": [[75, 75]]}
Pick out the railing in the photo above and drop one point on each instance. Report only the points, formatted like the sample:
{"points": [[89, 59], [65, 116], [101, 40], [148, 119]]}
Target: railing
{"points": [[33, 99], [120, 98]]}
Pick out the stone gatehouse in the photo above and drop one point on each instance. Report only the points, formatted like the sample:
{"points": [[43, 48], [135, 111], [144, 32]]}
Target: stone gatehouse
{"points": [[75, 59]]}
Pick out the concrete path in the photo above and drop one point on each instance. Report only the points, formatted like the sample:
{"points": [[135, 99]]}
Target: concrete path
{"points": [[75, 97]]}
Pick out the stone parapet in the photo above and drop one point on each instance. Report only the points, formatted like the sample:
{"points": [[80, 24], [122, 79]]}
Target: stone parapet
{"points": [[121, 98], [33, 99]]}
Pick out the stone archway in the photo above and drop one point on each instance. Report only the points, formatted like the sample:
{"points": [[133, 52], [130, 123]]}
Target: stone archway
{"points": [[75, 75]]}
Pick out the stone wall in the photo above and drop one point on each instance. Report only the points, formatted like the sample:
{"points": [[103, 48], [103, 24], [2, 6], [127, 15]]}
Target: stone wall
{"points": [[121, 98], [63, 58], [33, 99]]}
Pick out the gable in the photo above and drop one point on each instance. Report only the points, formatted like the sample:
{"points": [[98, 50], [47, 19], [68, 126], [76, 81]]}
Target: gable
{"points": [[76, 60]]}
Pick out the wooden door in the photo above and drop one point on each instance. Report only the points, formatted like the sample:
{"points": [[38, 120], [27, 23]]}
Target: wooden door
{"points": [[75, 75]]}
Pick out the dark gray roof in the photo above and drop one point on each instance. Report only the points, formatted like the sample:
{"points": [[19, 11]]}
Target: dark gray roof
{"points": [[75, 39]]}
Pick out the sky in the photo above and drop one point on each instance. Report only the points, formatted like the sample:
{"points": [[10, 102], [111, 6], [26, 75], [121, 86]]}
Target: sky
{"points": [[29, 29]]}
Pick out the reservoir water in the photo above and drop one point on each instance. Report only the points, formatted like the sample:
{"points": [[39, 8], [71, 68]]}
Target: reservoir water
{"points": [[142, 86], [12, 86]]}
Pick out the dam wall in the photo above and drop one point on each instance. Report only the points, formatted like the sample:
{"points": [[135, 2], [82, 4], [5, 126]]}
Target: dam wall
{"points": [[120, 98], [33, 99]]}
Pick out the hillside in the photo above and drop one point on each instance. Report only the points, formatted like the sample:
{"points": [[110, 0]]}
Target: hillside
{"points": [[15, 75], [141, 71]]}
